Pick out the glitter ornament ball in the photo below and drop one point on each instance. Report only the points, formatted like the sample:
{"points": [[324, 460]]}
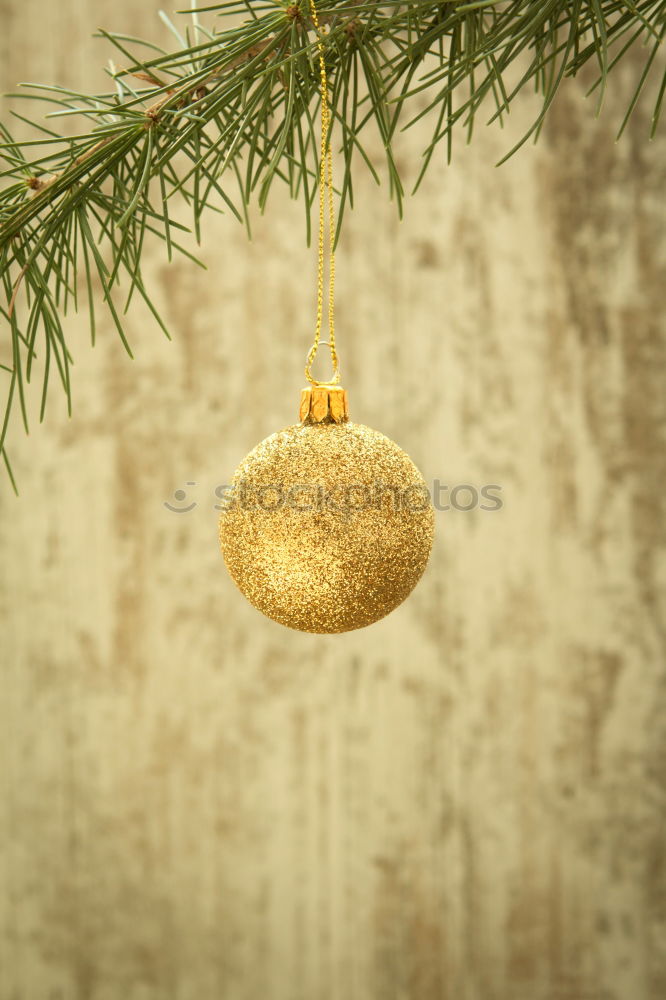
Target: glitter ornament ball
{"points": [[328, 525]]}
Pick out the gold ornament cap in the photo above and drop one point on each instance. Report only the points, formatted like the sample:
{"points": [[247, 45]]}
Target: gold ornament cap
{"points": [[324, 404]]}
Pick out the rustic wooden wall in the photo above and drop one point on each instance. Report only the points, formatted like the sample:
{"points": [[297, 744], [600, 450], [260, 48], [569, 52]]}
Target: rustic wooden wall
{"points": [[463, 802]]}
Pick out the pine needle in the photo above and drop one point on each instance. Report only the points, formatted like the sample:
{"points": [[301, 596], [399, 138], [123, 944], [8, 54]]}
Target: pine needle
{"points": [[241, 104]]}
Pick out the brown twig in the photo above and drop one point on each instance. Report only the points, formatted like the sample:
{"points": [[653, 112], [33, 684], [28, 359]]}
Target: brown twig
{"points": [[41, 189]]}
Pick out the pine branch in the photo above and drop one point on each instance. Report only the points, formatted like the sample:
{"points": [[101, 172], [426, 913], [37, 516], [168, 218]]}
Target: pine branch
{"points": [[218, 119]]}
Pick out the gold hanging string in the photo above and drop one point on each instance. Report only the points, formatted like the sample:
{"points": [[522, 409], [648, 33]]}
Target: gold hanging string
{"points": [[325, 198]]}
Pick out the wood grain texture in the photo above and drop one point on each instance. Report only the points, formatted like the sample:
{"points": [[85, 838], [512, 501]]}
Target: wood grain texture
{"points": [[463, 802]]}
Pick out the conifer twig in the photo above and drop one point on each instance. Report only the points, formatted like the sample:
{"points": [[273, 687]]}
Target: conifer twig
{"points": [[233, 108]]}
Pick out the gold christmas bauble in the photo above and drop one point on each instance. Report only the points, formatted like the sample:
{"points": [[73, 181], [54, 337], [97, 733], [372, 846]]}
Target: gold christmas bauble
{"points": [[328, 524]]}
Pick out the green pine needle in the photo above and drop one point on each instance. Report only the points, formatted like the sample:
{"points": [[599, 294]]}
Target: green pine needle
{"points": [[241, 105]]}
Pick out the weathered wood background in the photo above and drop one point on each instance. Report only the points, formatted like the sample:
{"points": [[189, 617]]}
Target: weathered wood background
{"points": [[463, 802]]}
